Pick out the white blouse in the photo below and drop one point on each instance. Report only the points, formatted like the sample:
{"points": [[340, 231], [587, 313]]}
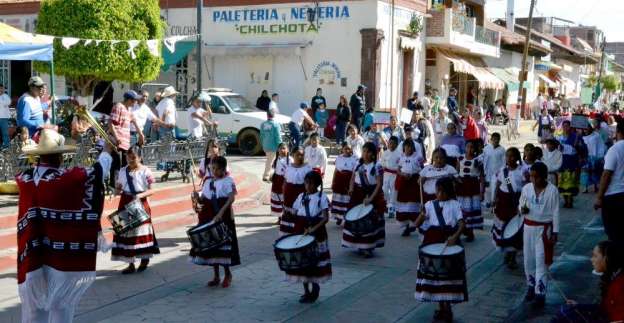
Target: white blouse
{"points": [[281, 164], [142, 179], [410, 164], [451, 212], [470, 168], [346, 163], [390, 159], [515, 178], [493, 160], [371, 171], [205, 171], [431, 174], [296, 175], [223, 187], [316, 157], [553, 159], [356, 145], [543, 208], [316, 204]]}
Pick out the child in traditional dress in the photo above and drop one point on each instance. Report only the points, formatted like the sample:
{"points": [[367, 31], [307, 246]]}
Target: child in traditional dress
{"points": [[539, 202], [553, 159], [365, 188], [408, 188], [134, 183], [469, 195], [390, 163], [443, 223], [493, 161], [312, 214], [315, 155], [212, 151], [293, 186], [431, 173], [281, 162], [218, 195], [355, 141], [509, 183], [528, 159], [345, 164]]}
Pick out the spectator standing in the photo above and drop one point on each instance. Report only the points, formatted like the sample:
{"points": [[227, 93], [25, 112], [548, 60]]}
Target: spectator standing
{"points": [[296, 122], [271, 139], [427, 103], [369, 119], [413, 103], [439, 125], [358, 106], [5, 114], [343, 117], [198, 117], [273, 104], [29, 111], [436, 103], [316, 102], [321, 115], [263, 101], [166, 109], [610, 197], [451, 102], [119, 127], [538, 105], [141, 113]]}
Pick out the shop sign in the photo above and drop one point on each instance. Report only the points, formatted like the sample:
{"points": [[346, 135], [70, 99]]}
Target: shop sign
{"points": [[181, 30], [327, 72], [293, 20]]}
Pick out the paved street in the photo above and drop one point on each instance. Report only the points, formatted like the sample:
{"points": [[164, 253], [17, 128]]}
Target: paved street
{"points": [[362, 290]]}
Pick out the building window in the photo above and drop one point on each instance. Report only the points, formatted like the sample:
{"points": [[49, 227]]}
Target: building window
{"points": [[5, 75]]}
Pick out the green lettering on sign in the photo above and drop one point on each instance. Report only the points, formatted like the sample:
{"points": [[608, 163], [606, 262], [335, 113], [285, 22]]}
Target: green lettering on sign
{"points": [[277, 29]]}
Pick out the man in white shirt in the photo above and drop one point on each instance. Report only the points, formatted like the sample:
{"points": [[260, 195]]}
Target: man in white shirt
{"points": [[493, 161], [198, 117], [141, 113], [296, 121], [539, 202], [610, 197], [273, 105], [5, 114], [538, 105], [166, 109]]}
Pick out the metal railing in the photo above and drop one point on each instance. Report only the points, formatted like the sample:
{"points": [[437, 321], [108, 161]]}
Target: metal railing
{"points": [[463, 24], [486, 36]]}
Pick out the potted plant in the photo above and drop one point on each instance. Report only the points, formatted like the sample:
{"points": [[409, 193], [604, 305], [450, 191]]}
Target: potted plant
{"points": [[415, 26]]}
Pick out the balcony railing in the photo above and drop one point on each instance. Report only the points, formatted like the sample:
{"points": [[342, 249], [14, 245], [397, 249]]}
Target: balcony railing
{"points": [[486, 36], [463, 24]]}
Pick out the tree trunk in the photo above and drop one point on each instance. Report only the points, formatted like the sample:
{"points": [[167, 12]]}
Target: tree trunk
{"points": [[83, 89]]}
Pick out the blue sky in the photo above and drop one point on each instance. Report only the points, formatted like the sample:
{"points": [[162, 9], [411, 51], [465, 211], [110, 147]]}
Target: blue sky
{"points": [[605, 14]]}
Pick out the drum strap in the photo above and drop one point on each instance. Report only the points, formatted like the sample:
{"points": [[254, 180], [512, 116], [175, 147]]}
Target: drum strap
{"points": [[213, 197], [508, 180], [130, 181], [439, 215]]}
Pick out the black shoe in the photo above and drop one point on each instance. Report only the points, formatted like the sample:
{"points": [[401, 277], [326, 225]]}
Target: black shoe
{"points": [[512, 264], [540, 300], [406, 232], [530, 295], [129, 270], [338, 222], [305, 298], [143, 265], [470, 238], [316, 291], [368, 254]]}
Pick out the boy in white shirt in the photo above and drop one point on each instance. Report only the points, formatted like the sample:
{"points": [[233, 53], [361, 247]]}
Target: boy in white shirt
{"points": [[553, 159], [493, 161], [390, 163], [539, 203], [315, 155]]}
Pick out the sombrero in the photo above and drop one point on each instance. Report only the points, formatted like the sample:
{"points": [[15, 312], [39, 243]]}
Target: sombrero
{"points": [[50, 143], [169, 91]]}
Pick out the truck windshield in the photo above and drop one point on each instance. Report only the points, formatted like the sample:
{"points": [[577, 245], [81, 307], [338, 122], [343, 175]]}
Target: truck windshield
{"points": [[239, 104]]}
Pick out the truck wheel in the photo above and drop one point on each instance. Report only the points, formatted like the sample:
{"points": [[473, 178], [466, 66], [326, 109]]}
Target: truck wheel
{"points": [[249, 142]]}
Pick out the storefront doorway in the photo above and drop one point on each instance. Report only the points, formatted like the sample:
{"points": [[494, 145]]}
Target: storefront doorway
{"points": [[407, 75]]}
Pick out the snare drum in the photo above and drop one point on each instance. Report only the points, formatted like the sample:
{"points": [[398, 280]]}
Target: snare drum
{"points": [[512, 234], [441, 262], [296, 252], [208, 236], [361, 220], [131, 217]]}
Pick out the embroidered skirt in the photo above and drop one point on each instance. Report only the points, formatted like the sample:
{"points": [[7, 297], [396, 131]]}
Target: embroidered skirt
{"points": [[138, 243], [408, 199], [340, 194], [277, 195], [225, 255], [469, 196], [288, 219]]}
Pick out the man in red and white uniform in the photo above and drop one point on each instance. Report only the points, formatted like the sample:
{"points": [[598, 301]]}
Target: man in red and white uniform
{"points": [[58, 230]]}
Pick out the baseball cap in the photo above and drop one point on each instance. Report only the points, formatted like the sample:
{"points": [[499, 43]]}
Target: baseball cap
{"points": [[132, 95], [36, 81], [303, 105], [361, 87]]}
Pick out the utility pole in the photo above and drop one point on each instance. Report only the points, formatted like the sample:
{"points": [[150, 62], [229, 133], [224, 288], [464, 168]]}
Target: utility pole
{"points": [[200, 7], [524, 72], [598, 88]]}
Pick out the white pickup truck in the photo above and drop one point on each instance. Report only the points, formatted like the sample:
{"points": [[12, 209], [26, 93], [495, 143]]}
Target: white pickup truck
{"points": [[238, 119]]}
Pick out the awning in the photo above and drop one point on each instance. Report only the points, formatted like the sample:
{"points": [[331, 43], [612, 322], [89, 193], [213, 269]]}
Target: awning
{"points": [[547, 66], [18, 45], [409, 42], [182, 49], [548, 81], [256, 49], [474, 66]]}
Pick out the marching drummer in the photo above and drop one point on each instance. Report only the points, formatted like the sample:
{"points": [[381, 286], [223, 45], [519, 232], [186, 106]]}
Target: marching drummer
{"points": [[280, 164], [469, 195], [134, 183], [432, 172], [293, 186], [365, 188], [444, 223], [509, 183], [312, 213], [218, 195], [345, 164], [407, 186]]}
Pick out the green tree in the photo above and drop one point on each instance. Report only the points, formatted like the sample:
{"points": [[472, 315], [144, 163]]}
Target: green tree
{"points": [[85, 65], [611, 83]]}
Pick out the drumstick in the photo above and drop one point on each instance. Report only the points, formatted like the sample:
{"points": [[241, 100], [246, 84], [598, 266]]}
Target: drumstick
{"points": [[552, 281], [444, 249], [192, 170], [422, 202], [302, 236]]}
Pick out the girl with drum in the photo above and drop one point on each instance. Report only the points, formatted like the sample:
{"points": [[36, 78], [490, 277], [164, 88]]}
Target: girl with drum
{"points": [[441, 245], [345, 164], [312, 209], [365, 188], [408, 188], [469, 194], [433, 172], [218, 195], [280, 164], [293, 186], [134, 183], [509, 183]]}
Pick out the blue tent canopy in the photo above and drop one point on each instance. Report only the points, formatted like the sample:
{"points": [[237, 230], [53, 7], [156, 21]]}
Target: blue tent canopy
{"points": [[17, 45]]}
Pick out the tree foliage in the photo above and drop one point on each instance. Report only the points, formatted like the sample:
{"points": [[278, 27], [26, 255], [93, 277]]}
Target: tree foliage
{"points": [[85, 65], [611, 83]]}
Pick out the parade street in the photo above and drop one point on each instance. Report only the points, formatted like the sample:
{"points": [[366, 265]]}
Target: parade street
{"points": [[376, 290]]}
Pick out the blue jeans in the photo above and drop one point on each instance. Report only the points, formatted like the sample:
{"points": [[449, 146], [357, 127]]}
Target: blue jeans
{"points": [[341, 132], [4, 130], [166, 133], [295, 133]]}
